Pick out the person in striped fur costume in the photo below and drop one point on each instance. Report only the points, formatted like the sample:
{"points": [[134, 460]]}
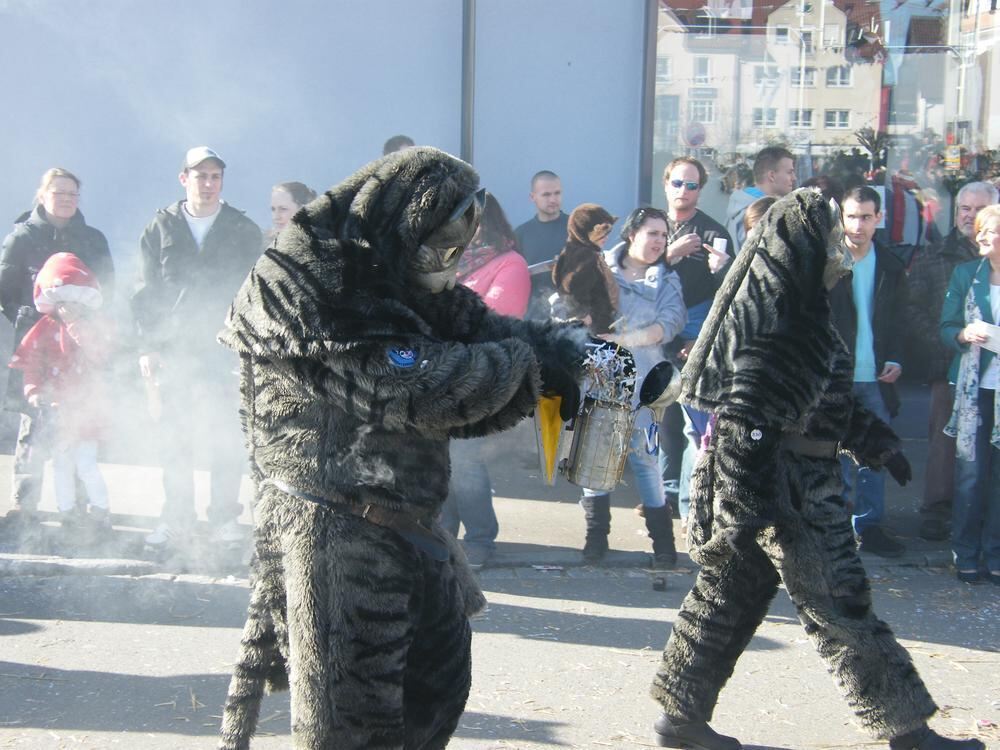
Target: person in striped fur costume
{"points": [[360, 360], [767, 502]]}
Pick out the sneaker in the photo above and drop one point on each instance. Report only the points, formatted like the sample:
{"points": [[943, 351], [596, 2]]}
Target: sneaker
{"points": [[229, 532], [665, 561], [876, 542], [100, 518], [69, 520], [933, 530], [478, 556], [161, 535], [18, 518]]}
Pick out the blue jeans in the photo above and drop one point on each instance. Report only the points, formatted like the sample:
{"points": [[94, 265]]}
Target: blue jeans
{"points": [[975, 512], [695, 425], [646, 470], [470, 495], [869, 488]]}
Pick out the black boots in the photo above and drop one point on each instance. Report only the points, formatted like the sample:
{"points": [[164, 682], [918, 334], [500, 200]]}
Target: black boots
{"points": [[697, 735], [926, 738], [661, 531], [597, 512]]}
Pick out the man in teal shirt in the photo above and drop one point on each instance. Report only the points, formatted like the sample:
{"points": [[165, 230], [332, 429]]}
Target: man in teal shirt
{"points": [[868, 309]]}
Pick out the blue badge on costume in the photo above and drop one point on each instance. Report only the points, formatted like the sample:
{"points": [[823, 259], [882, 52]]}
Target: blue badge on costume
{"points": [[404, 358]]}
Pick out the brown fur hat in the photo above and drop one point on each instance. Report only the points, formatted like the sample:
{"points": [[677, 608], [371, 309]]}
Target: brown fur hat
{"points": [[580, 273]]}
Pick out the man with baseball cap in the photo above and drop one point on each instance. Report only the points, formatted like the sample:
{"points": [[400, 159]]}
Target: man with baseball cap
{"points": [[195, 255]]}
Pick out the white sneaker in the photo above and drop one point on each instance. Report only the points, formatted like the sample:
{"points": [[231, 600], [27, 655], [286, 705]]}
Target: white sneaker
{"points": [[161, 535], [228, 533]]}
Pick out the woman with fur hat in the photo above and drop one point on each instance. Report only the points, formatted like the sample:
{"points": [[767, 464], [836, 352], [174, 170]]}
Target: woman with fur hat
{"points": [[59, 358]]}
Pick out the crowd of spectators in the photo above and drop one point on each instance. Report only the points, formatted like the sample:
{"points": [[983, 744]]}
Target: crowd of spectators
{"points": [[649, 292]]}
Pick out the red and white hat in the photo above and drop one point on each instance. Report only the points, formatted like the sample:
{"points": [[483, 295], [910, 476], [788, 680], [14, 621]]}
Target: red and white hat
{"points": [[66, 278]]}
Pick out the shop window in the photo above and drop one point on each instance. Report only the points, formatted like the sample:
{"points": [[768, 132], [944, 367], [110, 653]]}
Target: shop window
{"points": [[803, 77], [800, 118], [701, 111], [838, 76], [837, 119]]}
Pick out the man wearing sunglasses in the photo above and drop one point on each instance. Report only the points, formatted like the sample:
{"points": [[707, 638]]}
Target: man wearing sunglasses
{"points": [[690, 252]]}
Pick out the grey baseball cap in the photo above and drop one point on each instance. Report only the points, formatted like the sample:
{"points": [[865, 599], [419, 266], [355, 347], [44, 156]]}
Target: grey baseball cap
{"points": [[198, 154]]}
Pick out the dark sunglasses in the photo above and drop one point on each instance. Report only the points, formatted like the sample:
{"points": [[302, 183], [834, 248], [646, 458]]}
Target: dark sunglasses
{"points": [[688, 185]]}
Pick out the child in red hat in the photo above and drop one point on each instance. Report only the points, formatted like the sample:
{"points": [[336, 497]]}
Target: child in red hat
{"points": [[61, 358]]}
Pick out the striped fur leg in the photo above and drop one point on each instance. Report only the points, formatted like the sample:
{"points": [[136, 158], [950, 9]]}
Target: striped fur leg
{"points": [[716, 622], [258, 659], [826, 580]]}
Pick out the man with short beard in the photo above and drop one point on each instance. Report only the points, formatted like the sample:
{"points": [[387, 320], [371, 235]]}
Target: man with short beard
{"points": [[928, 283]]}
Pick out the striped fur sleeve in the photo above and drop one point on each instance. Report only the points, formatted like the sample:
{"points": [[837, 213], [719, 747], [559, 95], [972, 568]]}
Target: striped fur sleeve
{"points": [[431, 387]]}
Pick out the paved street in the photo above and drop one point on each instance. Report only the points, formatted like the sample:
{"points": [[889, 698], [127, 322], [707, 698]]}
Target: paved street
{"points": [[107, 648]]}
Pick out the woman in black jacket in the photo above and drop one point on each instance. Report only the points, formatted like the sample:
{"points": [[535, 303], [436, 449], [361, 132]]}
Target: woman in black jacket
{"points": [[54, 225]]}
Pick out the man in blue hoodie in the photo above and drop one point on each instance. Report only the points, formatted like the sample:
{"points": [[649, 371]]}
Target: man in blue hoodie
{"points": [[774, 175]]}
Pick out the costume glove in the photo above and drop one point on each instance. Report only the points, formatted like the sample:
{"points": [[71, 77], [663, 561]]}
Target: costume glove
{"points": [[560, 381], [899, 468]]}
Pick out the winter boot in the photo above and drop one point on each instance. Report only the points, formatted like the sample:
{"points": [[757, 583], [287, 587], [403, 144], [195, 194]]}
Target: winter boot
{"points": [[695, 735], [926, 738], [661, 531], [597, 512]]}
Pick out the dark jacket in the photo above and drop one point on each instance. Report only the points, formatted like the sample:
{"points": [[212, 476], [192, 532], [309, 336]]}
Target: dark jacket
{"points": [[185, 292], [30, 245], [975, 273], [928, 282], [697, 281], [24, 252], [888, 317]]}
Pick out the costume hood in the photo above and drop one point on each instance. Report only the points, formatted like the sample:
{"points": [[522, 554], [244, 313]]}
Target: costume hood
{"points": [[341, 269], [65, 278], [766, 349], [584, 220]]}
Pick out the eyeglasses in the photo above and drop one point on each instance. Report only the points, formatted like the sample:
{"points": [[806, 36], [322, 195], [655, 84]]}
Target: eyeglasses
{"points": [[63, 194], [689, 185]]}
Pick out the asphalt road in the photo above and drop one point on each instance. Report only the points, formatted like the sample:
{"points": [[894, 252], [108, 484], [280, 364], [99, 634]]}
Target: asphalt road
{"points": [[106, 646]]}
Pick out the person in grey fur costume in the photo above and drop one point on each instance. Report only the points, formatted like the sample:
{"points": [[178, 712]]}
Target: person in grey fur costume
{"points": [[360, 360], [767, 495]]}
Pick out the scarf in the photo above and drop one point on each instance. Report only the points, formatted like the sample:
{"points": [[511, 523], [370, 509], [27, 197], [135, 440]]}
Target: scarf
{"points": [[964, 422]]}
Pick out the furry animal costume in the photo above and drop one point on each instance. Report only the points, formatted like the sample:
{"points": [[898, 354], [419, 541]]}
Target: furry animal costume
{"points": [[581, 274], [766, 497], [354, 379]]}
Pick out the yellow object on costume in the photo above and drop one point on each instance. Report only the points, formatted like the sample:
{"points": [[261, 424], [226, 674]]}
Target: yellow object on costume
{"points": [[548, 428]]}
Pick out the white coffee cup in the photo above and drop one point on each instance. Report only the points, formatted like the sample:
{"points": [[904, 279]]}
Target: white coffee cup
{"points": [[719, 244]]}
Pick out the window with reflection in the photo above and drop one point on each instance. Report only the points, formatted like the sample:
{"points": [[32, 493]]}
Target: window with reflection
{"points": [[903, 95]]}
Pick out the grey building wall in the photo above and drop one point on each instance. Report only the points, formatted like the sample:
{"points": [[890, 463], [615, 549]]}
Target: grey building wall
{"points": [[308, 90], [304, 90], [559, 86]]}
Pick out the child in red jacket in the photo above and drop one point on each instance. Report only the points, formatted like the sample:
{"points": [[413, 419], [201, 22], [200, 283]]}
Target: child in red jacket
{"points": [[61, 358]]}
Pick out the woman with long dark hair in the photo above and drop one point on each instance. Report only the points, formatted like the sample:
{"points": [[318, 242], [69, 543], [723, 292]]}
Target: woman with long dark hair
{"points": [[648, 312]]}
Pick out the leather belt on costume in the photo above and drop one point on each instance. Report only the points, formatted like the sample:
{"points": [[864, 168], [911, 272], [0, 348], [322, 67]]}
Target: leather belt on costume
{"points": [[406, 525], [808, 447]]}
